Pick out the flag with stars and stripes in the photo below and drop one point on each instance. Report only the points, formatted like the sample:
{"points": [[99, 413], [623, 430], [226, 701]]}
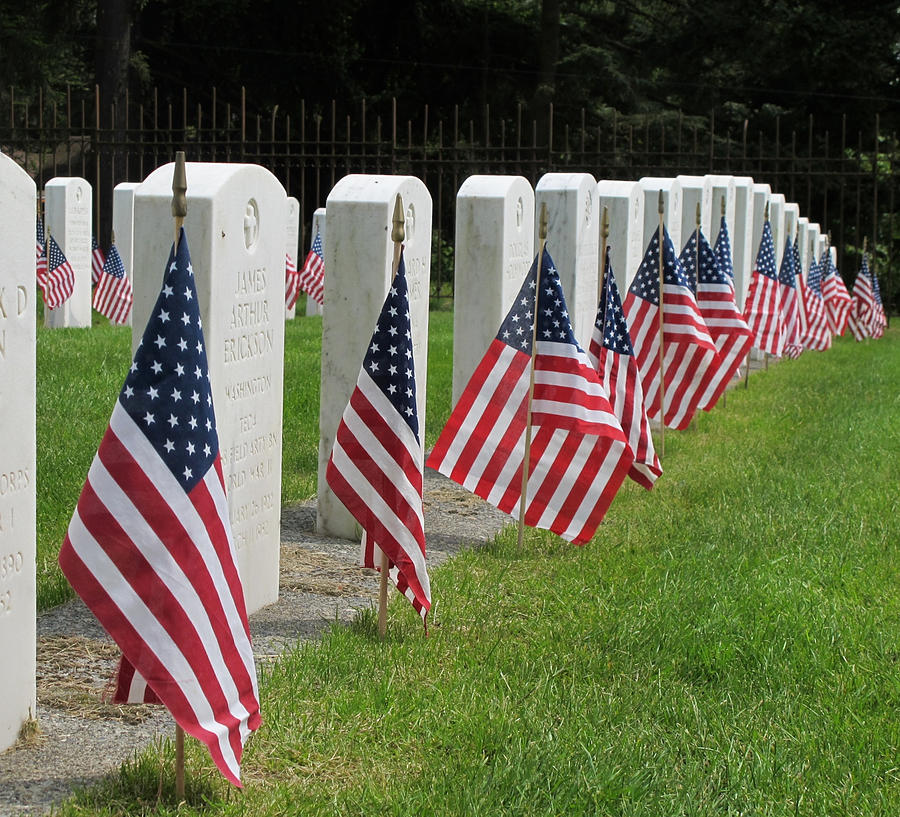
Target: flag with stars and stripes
{"points": [[98, 261], [789, 304], [612, 355], [722, 249], [149, 548], [579, 455], [113, 296], [762, 309], [879, 319], [726, 325], [55, 276], [689, 351], [375, 467], [39, 241], [312, 276], [816, 335], [837, 300], [291, 282]]}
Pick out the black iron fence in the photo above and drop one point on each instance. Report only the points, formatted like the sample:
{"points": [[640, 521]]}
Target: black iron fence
{"points": [[845, 180]]}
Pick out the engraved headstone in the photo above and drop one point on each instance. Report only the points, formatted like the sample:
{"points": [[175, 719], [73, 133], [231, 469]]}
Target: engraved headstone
{"points": [[358, 272], [814, 233], [123, 227], [17, 453], [235, 231], [721, 187], [292, 241], [651, 185], [776, 219], [313, 307], [791, 217], [695, 190], [493, 252], [821, 244], [803, 245], [742, 249], [625, 203], [761, 194], [67, 216], [573, 240]]}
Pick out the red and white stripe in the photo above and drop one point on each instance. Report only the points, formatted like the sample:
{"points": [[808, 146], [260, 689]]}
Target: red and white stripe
{"points": [[621, 381], [312, 277], [815, 334], [688, 354], [157, 566], [291, 282], [837, 301], [55, 277], [579, 455], [790, 321], [375, 469], [762, 313], [97, 262]]}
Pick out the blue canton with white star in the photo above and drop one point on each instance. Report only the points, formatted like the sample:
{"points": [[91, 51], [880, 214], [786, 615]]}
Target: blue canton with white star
{"points": [[113, 264], [553, 322], [765, 258], [167, 391], [610, 318], [814, 278], [786, 273], [646, 282], [688, 260], [710, 269], [796, 254], [389, 358], [722, 249]]}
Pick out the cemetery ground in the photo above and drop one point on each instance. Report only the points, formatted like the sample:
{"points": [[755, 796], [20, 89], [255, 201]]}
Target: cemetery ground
{"points": [[728, 643]]}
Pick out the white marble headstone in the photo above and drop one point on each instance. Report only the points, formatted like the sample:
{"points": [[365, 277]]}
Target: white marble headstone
{"points": [[821, 245], [672, 203], [17, 453], [722, 187], [742, 251], [358, 261], [813, 235], [695, 190], [625, 201], [67, 215], [235, 233], [292, 241], [791, 216], [803, 244], [493, 253], [761, 193], [313, 307], [776, 219], [573, 241], [123, 227]]}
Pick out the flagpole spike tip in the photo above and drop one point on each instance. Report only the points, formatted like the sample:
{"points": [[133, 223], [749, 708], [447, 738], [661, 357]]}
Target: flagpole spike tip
{"points": [[698, 215], [398, 233], [542, 224], [766, 217], [604, 223], [865, 242], [723, 205], [179, 187], [662, 203]]}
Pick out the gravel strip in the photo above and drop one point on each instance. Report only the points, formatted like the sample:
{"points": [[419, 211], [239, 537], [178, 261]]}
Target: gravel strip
{"points": [[80, 739]]}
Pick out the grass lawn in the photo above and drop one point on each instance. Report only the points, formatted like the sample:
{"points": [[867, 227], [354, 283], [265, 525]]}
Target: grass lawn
{"points": [[727, 644]]}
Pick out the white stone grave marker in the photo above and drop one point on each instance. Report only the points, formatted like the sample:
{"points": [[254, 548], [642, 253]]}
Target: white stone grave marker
{"points": [[791, 217], [493, 253], [776, 219], [292, 242], [742, 250], [814, 233], [573, 241], [313, 307], [235, 231], [358, 261], [803, 245], [17, 453], [694, 190], [123, 227], [672, 201], [625, 201], [722, 186], [67, 215]]}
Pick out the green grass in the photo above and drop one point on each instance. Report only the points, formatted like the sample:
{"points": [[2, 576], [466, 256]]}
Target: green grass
{"points": [[79, 376], [727, 644]]}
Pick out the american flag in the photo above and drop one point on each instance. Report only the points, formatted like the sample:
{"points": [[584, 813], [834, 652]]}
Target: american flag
{"points": [[722, 249], [837, 300], [689, 350], [375, 467], [149, 547], [579, 455], [39, 243], [291, 282], [762, 310], [113, 296], [726, 325], [612, 355], [98, 261], [312, 276], [789, 304], [860, 316], [879, 319], [55, 276], [816, 335]]}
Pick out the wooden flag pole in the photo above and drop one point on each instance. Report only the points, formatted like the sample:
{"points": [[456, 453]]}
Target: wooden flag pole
{"points": [[179, 211], [601, 280], [398, 235], [747, 373], [662, 351], [697, 259], [725, 393], [542, 235]]}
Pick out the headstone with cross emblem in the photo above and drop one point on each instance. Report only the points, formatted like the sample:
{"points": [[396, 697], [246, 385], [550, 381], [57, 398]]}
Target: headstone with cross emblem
{"points": [[493, 252], [235, 228], [67, 216], [358, 271], [573, 240]]}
